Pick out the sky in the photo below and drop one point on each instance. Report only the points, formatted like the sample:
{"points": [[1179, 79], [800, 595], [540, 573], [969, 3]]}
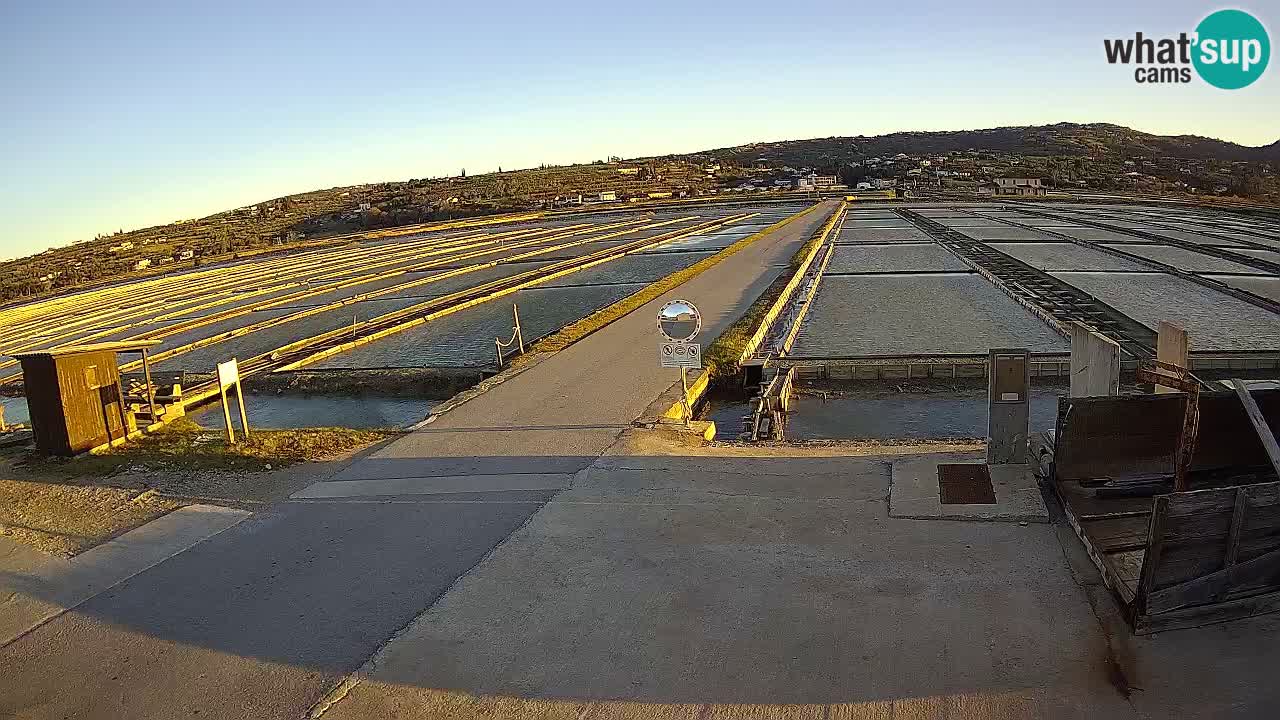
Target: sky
{"points": [[127, 114]]}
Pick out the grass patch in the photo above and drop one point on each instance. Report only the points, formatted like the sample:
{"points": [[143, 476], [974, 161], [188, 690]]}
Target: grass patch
{"points": [[576, 331], [185, 445]]}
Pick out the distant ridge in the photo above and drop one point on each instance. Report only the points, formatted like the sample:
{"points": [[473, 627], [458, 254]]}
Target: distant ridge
{"points": [[1089, 140]]}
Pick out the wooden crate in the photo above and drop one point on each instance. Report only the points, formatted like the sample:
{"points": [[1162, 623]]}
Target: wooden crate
{"points": [[1173, 559]]}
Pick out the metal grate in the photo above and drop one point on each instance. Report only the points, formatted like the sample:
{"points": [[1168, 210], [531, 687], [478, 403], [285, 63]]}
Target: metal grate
{"points": [[1053, 297], [965, 484]]}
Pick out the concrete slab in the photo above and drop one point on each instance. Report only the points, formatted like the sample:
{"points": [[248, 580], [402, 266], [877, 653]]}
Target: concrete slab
{"points": [[914, 492], [748, 587], [36, 587], [258, 621], [445, 485]]}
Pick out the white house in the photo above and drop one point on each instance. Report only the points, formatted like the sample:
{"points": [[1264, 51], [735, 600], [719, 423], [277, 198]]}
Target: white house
{"points": [[1020, 186]]}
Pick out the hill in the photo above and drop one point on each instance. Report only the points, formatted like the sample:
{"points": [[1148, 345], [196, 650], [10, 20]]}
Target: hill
{"points": [[1070, 156], [1098, 140]]}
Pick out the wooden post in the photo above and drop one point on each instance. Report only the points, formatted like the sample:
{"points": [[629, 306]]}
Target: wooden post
{"points": [[228, 375], [1155, 547], [226, 417], [1095, 363], [1162, 374], [244, 417], [1187, 441], [1173, 346]]}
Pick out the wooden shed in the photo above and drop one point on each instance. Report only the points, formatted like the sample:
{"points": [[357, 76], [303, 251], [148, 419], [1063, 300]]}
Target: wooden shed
{"points": [[74, 395]]}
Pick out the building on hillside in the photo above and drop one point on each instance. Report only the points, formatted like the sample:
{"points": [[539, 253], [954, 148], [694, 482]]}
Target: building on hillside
{"points": [[1020, 186], [608, 196], [825, 181], [806, 182], [142, 264]]}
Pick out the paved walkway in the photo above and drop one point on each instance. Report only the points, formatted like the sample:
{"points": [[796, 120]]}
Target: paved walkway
{"points": [[562, 415], [263, 618]]}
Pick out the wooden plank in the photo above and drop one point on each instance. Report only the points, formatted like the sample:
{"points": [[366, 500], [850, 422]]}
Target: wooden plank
{"points": [[1260, 425], [1123, 533], [1202, 615], [1109, 577], [1173, 346], [1237, 526], [1187, 439], [1264, 569]]}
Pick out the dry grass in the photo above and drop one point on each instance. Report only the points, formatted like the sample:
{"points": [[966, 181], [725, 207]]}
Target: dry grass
{"points": [[66, 506], [185, 445], [68, 518]]}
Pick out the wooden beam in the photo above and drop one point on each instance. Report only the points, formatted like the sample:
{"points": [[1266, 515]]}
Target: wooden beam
{"points": [[1259, 421], [1264, 569]]}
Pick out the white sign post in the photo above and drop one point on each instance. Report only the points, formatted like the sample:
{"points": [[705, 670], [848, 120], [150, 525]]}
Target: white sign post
{"points": [[228, 376], [680, 322]]}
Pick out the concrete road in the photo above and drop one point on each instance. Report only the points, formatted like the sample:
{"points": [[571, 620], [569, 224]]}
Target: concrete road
{"points": [[262, 619]]}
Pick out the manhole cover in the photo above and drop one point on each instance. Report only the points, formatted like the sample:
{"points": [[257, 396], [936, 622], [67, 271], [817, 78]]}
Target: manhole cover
{"points": [[965, 484]]}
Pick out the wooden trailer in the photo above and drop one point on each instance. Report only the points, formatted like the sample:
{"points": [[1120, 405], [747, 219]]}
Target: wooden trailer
{"points": [[1175, 559]]}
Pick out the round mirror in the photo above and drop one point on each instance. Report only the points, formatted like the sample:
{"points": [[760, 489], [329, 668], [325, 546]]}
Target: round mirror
{"points": [[679, 320]]}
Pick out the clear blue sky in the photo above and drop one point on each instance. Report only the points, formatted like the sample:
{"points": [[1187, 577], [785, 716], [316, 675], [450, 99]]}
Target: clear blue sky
{"points": [[127, 114]]}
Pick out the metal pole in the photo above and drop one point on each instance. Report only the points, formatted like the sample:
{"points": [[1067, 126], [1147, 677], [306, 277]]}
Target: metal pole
{"points": [[684, 395], [498, 344], [151, 392], [515, 310]]}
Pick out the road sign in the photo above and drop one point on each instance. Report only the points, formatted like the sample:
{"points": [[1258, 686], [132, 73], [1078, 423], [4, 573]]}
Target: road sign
{"points": [[679, 321], [675, 354]]}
